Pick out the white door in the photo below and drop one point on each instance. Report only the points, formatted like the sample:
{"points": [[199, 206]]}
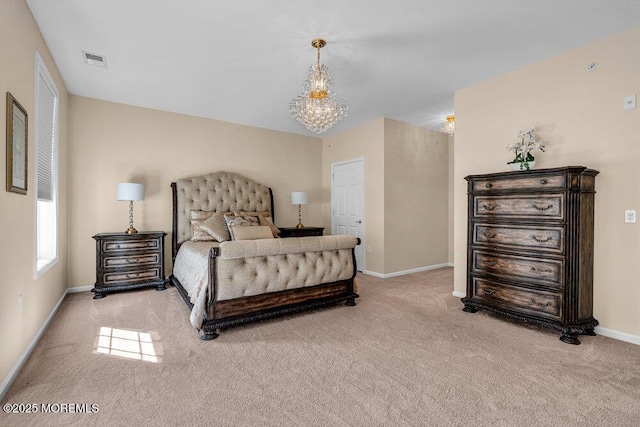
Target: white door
{"points": [[347, 205]]}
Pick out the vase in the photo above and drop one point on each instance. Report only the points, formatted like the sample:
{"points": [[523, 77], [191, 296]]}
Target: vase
{"points": [[521, 166]]}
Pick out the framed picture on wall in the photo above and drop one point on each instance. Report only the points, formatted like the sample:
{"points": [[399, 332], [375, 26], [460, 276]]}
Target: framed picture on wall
{"points": [[17, 125]]}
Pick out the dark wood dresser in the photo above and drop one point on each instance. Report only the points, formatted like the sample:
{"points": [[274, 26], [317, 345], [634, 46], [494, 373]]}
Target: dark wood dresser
{"points": [[301, 232], [530, 247], [129, 261]]}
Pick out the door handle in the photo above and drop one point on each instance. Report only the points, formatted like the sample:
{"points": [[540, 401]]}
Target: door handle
{"points": [[359, 221]]}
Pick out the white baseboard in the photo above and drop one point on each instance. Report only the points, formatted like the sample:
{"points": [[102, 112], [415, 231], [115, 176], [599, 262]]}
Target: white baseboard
{"points": [[459, 294], [79, 289], [13, 373], [411, 271], [622, 336]]}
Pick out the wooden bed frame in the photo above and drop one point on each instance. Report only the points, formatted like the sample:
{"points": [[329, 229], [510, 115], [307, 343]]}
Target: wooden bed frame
{"points": [[227, 313]]}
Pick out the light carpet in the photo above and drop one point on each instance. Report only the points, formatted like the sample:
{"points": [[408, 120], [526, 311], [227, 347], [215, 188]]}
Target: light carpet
{"points": [[405, 355]]}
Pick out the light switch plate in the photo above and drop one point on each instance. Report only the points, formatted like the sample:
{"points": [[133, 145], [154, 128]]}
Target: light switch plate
{"points": [[629, 102]]}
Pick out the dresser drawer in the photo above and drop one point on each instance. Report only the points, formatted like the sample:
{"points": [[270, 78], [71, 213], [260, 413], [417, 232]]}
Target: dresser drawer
{"points": [[523, 237], [131, 261], [130, 245], [522, 206], [132, 276], [520, 183], [547, 272], [527, 301]]}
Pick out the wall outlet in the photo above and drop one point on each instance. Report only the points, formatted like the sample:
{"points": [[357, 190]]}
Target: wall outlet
{"points": [[629, 102], [20, 304], [368, 249], [630, 216]]}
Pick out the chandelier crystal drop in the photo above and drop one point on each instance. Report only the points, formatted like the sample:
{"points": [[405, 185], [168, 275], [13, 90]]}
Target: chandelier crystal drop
{"points": [[449, 126], [317, 107]]}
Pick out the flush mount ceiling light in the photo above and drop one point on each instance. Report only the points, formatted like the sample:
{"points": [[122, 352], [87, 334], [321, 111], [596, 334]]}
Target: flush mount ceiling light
{"points": [[450, 125], [317, 107]]}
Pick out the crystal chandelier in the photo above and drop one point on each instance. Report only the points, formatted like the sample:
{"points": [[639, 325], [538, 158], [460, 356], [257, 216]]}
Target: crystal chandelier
{"points": [[449, 126], [317, 107]]}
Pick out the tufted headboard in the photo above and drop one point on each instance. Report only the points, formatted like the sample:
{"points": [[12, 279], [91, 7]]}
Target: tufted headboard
{"points": [[218, 191]]}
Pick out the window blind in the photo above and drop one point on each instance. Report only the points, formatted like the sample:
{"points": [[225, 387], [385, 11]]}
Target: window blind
{"points": [[47, 101]]}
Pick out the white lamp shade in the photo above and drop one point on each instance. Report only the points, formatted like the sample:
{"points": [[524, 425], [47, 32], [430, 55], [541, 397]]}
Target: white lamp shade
{"points": [[130, 191], [299, 198]]}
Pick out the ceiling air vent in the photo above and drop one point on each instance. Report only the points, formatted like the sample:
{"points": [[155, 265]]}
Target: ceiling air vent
{"points": [[94, 59]]}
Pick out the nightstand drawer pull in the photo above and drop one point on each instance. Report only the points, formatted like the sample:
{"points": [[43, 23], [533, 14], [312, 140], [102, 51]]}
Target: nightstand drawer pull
{"points": [[541, 270], [541, 239], [489, 235], [133, 275], [541, 304], [489, 207], [541, 208], [488, 291], [543, 181], [117, 246], [133, 261], [490, 264], [488, 185]]}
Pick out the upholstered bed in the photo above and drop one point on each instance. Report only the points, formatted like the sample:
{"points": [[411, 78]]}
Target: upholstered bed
{"points": [[244, 279]]}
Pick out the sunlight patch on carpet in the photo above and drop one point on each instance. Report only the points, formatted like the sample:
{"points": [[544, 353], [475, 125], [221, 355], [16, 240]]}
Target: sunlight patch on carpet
{"points": [[126, 343]]}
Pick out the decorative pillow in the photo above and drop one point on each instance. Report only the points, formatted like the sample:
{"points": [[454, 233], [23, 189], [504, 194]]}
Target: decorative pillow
{"points": [[251, 233], [266, 220], [209, 225], [240, 221], [216, 227]]}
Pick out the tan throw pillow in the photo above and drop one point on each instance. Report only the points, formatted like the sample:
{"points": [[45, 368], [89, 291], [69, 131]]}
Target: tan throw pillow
{"points": [[251, 233], [245, 213], [211, 230], [266, 220], [216, 227], [240, 221]]}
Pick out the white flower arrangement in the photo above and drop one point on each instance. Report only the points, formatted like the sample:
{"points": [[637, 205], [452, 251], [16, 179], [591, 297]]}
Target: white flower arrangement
{"points": [[526, 142]]}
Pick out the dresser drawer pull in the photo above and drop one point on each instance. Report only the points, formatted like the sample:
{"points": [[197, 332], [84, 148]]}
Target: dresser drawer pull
{"points": [[542, 208], [117, 246], [489, 207], [488, 291], [149, 244], [490, 264], [540, 304], [133, 261], [132, 275], [541, 240], [489, 235], [543, 181], [540, 270], [488, 185]]}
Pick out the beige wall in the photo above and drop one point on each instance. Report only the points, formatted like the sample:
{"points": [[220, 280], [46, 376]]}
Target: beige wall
{"points": [[580, 116], [19, 39], [416, 201], [366, 142], [111, 143]]}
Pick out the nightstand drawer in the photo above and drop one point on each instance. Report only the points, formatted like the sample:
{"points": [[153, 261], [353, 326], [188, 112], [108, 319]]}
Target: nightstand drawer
{"points": [[527, 301], [130, 245], [520, 237], [521, 183], [531, 207], [548, 272], [132, 261], [132, 276]]}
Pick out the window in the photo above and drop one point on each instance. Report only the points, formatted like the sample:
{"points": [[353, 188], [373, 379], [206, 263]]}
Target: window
{"points": [[46, 141]]}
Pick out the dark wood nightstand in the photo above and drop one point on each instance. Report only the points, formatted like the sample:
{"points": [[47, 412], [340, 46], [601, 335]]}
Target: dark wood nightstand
{"points": [[129, 261], [300, 232]]}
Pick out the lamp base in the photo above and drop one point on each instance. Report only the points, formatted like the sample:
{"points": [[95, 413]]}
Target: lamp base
{"points": [[131, 230], [300, 225]]}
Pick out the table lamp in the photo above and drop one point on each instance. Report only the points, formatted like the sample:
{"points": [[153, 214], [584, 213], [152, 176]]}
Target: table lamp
{"points": [[129, 191], [299, 198]]}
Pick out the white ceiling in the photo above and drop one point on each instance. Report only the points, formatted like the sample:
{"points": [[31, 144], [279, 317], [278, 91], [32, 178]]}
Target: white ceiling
{"points": [[243, 61]]}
